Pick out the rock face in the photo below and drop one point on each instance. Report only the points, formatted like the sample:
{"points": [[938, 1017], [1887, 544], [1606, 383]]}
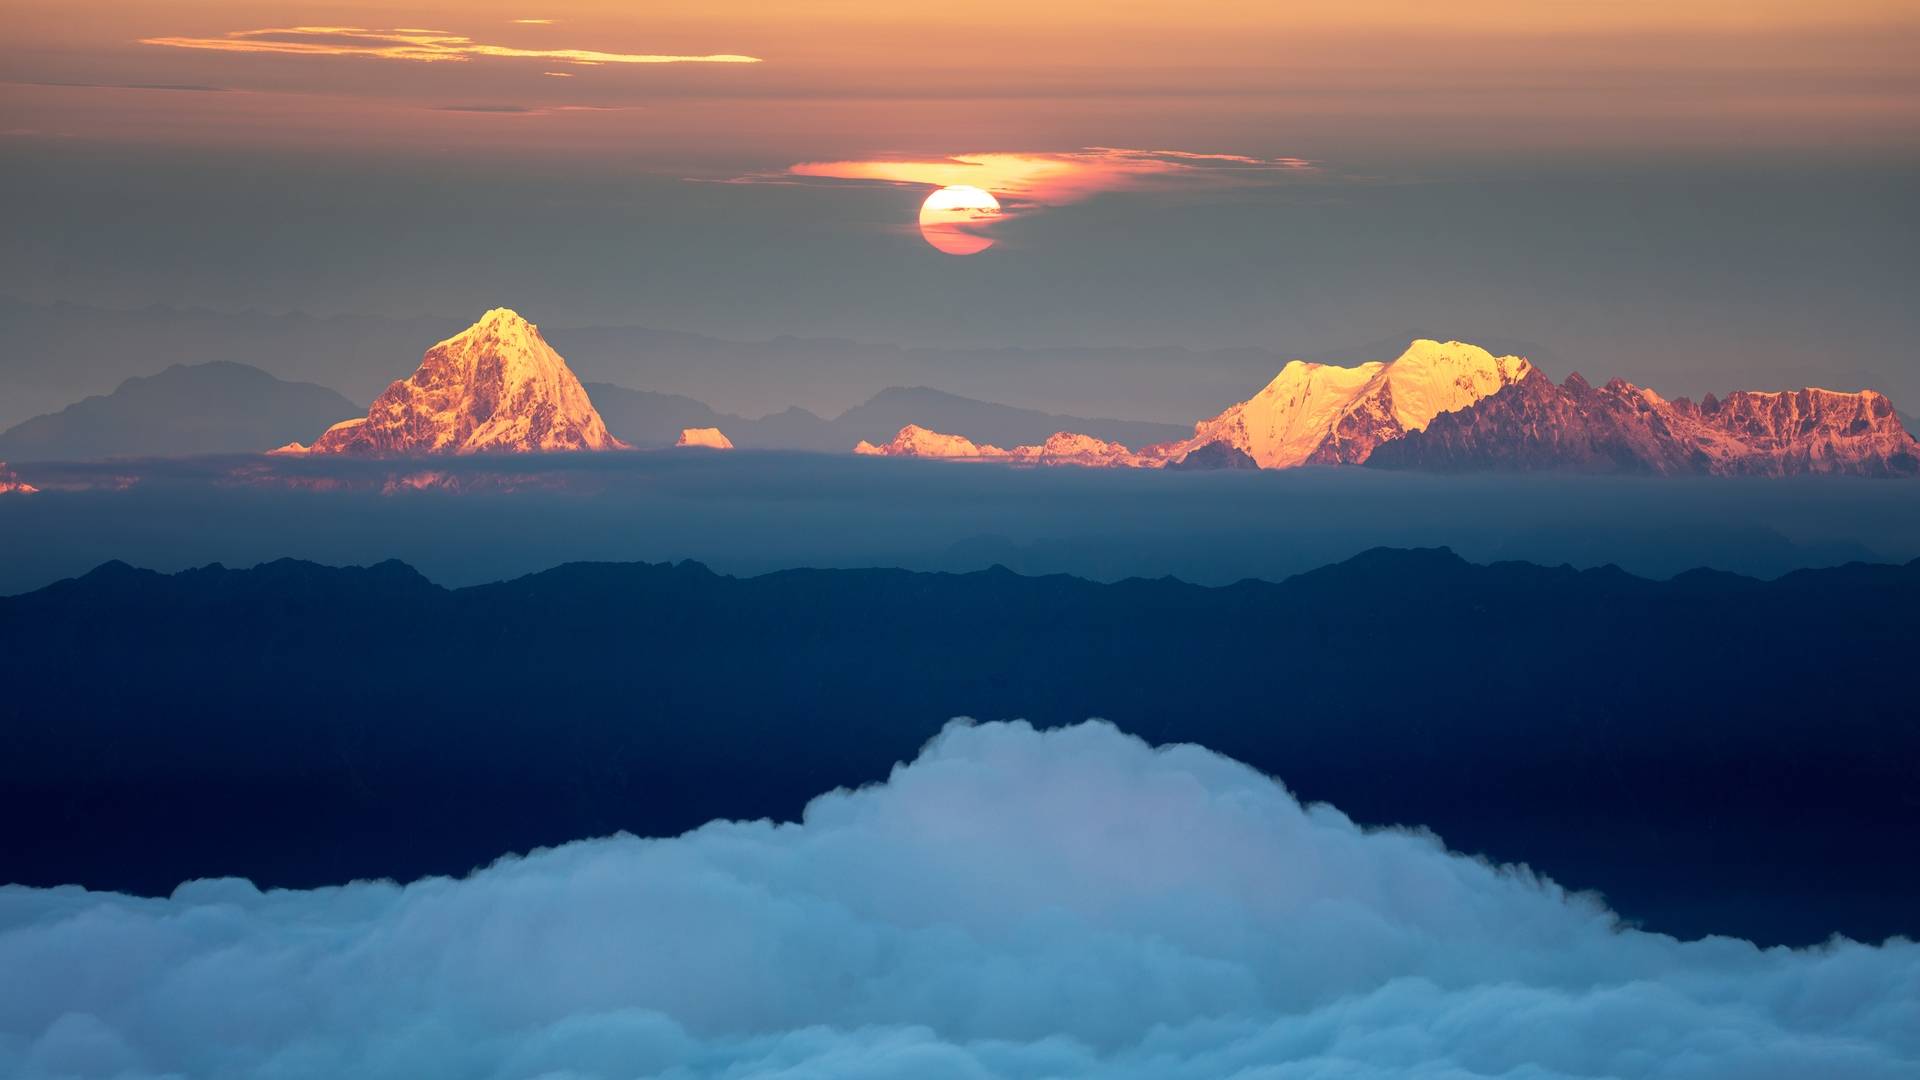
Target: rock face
{"points": [[1453, 407], [11, 484], [495, 387], [1797, 432], [711, 438], [1620, 427], [1217, 455], [1060, 448], [1323, 414]]}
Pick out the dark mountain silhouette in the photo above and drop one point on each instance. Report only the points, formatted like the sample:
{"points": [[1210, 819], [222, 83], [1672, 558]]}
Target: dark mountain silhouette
{"points": [[59, 352], [643, 418], [212, 408], [1714, 753]]}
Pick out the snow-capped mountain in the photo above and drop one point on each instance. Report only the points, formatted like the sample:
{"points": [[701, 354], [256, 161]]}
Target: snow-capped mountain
{"points": [[1324, 414], [1793, 432], [1060, 448], [1450, 406], [711, 438], [11, 484], [1620, 427], [499, 387], [495, 387]]}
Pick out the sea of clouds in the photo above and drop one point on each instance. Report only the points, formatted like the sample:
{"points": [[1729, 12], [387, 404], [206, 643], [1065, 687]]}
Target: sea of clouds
{"points": [[1012, 904]]}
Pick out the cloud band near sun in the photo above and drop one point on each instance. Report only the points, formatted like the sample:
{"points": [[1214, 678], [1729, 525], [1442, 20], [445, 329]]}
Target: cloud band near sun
{"points": [[1057, 178], [415, 45], [989, 188]]}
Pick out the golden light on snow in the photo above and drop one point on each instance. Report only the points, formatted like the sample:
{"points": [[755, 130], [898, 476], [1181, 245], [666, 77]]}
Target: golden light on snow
{"points": [[954, 219], [711, 438]]}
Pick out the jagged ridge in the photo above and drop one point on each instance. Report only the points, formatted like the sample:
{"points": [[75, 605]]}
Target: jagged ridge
{"points": [[1620, 427], [496, 386], [1450, 406]]}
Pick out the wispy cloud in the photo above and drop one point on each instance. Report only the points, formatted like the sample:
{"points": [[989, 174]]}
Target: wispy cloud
{"points": [[527, 110], [415, 45], [1055, 178], [513, 109], [195, 88]]}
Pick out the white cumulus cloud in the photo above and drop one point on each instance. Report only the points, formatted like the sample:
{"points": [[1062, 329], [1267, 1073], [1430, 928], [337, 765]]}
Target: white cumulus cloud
{"points": [[1012, 904]]}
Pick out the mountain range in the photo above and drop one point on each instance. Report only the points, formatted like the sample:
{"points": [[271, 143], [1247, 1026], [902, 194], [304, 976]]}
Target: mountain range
{"points": [[59, 353], [1620, 427], [1455, 407], [225, 407], [212, 408], [499, 387], [648, 419], [1660, 741]]}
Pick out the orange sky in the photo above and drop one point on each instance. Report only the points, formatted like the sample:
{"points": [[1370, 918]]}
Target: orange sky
{"points": [[848, 79]]}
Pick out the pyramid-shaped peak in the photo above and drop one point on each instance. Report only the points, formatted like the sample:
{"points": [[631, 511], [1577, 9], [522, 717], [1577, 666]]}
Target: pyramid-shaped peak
{"points": [[495, 387]]}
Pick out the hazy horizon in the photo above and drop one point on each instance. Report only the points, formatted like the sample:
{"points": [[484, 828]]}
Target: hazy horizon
{"points": [[1699, 196]]}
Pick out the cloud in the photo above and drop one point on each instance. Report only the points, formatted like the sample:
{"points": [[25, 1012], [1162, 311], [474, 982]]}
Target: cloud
{"points": [[530, 110], [1012, 904], [196, 88], [1057, 178], [413, 44]]}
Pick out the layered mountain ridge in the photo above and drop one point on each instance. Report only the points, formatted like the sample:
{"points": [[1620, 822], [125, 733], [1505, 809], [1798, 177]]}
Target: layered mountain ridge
{"points": [[495, 387], [611, 696], [498, 387], [645, 418], [1455, 407], [217, 407], [1620, 427]]}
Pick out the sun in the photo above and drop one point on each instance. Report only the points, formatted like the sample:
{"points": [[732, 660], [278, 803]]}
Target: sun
{"points": [[954, 219]]}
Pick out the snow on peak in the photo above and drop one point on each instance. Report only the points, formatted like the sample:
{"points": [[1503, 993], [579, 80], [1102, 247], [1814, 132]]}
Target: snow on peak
{"points": [[1434, 377], [11, 484], [709, 437], [1060, 448], [1325, 413], [916, 441], [496, 387]]}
